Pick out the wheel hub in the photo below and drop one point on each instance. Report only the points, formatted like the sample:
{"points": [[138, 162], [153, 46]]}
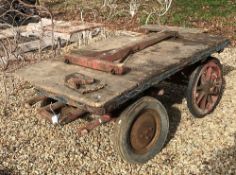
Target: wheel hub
{"points": [[208, 87], [145, 131]]}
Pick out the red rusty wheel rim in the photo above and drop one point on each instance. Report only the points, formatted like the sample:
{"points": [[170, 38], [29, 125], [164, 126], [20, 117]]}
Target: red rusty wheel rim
{"points": [[208, 86], [145, 131]]}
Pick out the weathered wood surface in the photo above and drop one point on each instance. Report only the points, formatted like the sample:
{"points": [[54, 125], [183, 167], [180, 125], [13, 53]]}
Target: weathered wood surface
{"points": [[72, 27], [149, 67], [41, 44], [48, 35]]}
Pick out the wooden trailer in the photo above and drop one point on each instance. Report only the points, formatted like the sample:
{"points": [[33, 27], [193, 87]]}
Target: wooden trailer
{"points": [[112, 74]]}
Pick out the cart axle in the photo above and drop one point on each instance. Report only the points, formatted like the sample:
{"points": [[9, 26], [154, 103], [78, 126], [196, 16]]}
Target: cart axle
{"points": [[93, 124]]}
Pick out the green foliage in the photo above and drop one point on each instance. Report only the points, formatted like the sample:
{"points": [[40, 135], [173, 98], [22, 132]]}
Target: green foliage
{"points": [[184, 12]]}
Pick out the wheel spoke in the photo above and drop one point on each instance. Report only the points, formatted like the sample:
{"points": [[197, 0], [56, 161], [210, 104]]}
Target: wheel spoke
{"points": [[209, 73], [200, 96], [215, 91], [200, 88], [209, 99], [203, 102], [217, 82], [209, 103]]}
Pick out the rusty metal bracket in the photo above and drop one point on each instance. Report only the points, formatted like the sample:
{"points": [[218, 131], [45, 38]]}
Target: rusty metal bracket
{"points": [[82, 83], [75, 80], [54, 106], [93, 124], [97, 64], [45, 114], [34, 100], [69, 114]]}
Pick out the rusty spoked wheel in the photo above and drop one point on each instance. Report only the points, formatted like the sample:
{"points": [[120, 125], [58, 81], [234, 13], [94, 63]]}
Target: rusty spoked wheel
{"points": [[141, 130], [205, 88]]}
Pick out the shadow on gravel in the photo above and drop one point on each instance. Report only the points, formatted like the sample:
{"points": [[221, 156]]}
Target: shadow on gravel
{"points": [[227, 69], [224, 162], [174, 94], [7, 171], [174, 120]]}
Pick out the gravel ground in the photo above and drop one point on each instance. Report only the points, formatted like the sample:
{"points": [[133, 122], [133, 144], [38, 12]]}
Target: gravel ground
{"points": [[195, 146]]}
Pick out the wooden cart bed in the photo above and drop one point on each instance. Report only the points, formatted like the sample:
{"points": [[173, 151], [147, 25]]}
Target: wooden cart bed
{"points": [[148, 67]]}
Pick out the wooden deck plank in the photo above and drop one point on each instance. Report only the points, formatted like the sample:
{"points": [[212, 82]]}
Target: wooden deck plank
{"points": [[50, 77], [42, 44], [112, 43]]}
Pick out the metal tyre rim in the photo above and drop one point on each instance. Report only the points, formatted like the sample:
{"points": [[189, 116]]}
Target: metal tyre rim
{"points": [[145, 131]]}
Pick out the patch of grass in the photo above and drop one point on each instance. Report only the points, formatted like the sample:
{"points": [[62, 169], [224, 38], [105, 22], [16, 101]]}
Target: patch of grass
{"points": [[183, 12]]}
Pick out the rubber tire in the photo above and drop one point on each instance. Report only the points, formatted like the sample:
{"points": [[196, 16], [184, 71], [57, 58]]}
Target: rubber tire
{"points": [[123, 125], [189, 97]]}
